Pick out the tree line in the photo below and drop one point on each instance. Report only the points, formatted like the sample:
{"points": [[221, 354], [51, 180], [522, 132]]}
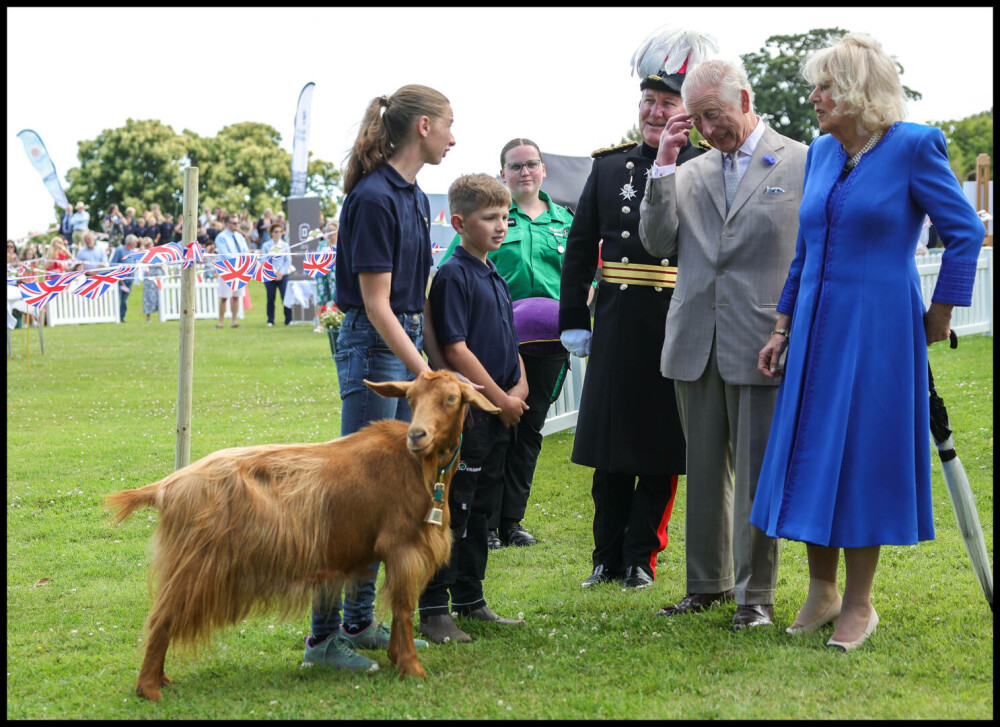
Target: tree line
{"points": [[241, 167]]}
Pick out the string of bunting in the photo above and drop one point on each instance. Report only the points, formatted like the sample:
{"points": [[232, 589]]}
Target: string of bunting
{"points": [[235, 270]]}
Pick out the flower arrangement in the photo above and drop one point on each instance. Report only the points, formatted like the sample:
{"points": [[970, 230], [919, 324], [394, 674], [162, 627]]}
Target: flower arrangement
{"points": [[330, 317]]}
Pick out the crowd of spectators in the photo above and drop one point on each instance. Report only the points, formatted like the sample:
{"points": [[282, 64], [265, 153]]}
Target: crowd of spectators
{"points": [[152, 227]]}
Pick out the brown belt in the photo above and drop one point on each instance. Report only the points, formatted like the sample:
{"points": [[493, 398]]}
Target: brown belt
{"points": [[659, 276]]}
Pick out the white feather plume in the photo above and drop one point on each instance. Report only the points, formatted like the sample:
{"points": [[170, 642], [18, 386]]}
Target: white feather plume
{"points": [[665, 50]]}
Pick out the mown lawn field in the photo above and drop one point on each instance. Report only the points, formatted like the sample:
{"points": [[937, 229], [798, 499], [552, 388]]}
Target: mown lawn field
{"points": [[96, 414]]}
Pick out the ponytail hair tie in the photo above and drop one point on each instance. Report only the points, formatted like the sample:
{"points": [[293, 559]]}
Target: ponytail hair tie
{"points": [[384, 101]]}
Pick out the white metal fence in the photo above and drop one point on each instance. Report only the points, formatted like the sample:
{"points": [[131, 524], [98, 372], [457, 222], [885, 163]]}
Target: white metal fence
{"points": [[206, 298], [977, 318], [67, 307]]}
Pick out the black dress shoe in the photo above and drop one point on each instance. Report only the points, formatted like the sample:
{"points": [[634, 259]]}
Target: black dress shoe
{"points": [[601, 575], [752, 615], [637, 577], [516, 535], [483, 613], [493, 540], [695, 603]]}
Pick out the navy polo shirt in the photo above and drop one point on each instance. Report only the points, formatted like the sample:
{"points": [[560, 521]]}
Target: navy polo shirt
{"points": [[470, 302], [385, 227]]}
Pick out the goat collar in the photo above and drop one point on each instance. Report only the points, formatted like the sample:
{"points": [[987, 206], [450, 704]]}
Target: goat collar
{"points": [[442, 470]]}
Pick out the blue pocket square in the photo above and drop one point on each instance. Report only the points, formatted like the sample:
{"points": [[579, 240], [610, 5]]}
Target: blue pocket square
{"points": [[774, 190]]}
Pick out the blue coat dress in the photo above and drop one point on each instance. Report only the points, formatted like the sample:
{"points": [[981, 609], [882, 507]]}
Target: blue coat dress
{"points": [[848, 457]]}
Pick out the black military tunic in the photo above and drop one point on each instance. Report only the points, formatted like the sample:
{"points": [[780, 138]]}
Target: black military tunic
{"points": [[628, 420]]}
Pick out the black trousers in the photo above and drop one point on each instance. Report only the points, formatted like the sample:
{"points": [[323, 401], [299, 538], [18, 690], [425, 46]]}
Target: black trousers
{"points": [[271, 287], [473, 497], [545, 376], [630, 518]]}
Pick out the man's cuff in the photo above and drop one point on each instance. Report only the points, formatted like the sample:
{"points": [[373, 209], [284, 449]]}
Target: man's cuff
{"points": [[665, 171]]}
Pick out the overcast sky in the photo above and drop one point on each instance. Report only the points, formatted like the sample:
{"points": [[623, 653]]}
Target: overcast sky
{"points": [[559, 76]]}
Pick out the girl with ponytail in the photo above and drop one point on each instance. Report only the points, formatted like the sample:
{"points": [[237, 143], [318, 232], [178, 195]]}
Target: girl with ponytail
{"points": [[383, 265]]}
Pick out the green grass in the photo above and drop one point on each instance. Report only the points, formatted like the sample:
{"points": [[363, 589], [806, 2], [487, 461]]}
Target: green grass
{"points": [[96, 413]]}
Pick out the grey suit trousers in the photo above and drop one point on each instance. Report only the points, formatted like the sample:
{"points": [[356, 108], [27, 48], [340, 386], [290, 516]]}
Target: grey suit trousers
{"points": [[726, 425]]}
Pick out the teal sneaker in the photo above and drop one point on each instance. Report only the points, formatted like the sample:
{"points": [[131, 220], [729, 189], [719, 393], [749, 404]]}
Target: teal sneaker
{"points": [[376, 636], [337, 652]]}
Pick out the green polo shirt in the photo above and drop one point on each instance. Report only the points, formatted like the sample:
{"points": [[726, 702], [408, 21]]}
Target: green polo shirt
{"points": [[530, 258]]}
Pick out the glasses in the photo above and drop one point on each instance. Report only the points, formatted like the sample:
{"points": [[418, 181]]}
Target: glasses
{"points": [[531, 164]]}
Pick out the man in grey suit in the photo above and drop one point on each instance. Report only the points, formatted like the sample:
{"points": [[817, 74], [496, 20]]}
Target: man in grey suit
{"points": [[730, 220]]}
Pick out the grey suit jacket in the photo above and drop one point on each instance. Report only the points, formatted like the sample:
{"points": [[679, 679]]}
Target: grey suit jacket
{"points": [[730, 268]]}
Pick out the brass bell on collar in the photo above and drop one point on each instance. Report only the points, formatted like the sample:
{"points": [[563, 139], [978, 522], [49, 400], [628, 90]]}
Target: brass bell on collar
{"points": [[435, 516]]}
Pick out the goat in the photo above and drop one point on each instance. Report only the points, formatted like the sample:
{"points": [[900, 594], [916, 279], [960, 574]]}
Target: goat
{"points": [[253, 527]]}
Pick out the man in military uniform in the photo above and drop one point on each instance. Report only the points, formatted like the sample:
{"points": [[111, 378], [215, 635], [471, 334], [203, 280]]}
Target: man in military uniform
{"points": [[628, 428]]}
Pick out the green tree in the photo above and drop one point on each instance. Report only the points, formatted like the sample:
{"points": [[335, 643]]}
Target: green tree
{"points": [[782, 95], [134, 165], [967, 139], [241, 167]]}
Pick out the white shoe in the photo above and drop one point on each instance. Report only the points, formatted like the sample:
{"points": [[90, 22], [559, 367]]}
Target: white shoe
{"points": [[270, 325], [845, 646]]}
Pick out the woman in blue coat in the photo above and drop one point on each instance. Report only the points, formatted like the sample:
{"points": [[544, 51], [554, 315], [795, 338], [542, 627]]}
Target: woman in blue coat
{"points": [[848, 457]]}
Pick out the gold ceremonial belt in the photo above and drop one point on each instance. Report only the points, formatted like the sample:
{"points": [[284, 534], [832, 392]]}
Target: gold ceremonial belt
{"points": [[659, 276]]}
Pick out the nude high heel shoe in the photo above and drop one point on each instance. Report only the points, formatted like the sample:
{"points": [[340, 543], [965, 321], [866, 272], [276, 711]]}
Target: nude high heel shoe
{"points": [[846, 646]]}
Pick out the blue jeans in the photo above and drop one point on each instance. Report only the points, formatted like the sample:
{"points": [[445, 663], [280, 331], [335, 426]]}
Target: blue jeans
{"points": [[362, 353], [123, 300]]}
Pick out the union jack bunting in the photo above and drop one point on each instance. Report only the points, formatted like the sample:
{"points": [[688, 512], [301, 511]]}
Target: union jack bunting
{"points": [[435, 248], [264, 272], [170, 252], [98, 283], [236, 270], [41, 292], [318, 263], [193, 253]]}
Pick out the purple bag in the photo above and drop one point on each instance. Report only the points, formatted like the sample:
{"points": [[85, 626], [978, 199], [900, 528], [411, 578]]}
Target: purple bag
{"points": [[536, 321]]}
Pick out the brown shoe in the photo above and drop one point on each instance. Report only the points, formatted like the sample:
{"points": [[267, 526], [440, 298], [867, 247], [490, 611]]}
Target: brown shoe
{"points": [[483, 613], [696, 603], [753, 615], [441, 629]]}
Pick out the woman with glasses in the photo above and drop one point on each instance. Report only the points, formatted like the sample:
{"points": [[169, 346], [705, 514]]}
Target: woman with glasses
{"points": [[530, 260], [383, 266]]}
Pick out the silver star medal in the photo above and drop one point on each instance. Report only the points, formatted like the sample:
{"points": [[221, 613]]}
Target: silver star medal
{"points": [[627, 191]]}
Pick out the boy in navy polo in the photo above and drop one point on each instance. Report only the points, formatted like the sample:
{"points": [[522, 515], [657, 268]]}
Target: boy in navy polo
{"points": [[469, 304]]}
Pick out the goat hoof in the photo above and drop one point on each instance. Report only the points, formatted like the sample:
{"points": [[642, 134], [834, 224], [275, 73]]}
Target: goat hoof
{"points": [[151, 693], [414, 670]]}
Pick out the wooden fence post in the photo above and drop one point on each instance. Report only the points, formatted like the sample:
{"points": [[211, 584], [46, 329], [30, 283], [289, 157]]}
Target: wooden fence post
{"points": [[185, 372], [983, 190]]}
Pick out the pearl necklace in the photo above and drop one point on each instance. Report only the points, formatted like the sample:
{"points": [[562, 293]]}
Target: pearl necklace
{"points": [[872, 141]]}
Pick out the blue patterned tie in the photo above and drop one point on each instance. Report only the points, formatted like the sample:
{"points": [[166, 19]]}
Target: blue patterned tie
{"points": [[732, 174]]}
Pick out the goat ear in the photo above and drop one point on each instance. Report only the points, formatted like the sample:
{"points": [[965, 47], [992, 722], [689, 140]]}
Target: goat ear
{"points": [[472, 396], [390, 389]]}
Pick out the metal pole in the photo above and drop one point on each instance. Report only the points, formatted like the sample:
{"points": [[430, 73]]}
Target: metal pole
{"points": [[185, 373]]}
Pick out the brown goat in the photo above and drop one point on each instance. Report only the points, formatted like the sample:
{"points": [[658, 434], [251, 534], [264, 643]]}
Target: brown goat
{"points": [[255, 527]]}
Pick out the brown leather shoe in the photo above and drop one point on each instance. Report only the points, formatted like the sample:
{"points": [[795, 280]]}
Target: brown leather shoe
{"points": [[483, 613], [441, 628], [753, 615], [696, 603]]}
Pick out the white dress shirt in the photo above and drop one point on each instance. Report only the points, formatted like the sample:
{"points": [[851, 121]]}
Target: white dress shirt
{"points": [[743, 155]]}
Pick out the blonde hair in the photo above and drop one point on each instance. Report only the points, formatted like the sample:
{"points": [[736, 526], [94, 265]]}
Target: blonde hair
{"points": [[382, 132], [472, 192], [863, 80]]}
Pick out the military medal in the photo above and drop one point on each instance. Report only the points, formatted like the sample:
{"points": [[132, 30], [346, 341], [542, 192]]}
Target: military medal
{"points": [[628, 191]]}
